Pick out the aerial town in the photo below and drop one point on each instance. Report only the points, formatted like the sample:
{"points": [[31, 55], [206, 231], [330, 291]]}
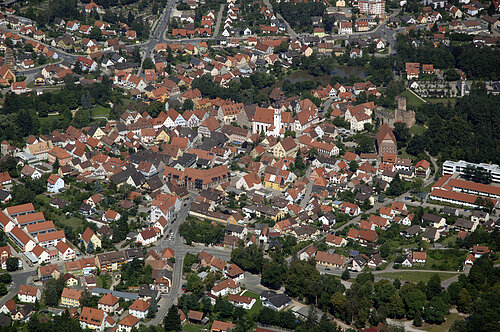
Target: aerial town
{"points": [[250, 165]]}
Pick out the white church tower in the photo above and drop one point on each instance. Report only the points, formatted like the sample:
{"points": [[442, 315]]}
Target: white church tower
{"points": [[277, 122]]}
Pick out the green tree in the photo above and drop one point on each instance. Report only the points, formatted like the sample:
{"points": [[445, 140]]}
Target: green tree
{"points": [[3, 289], [273, 275], [153, 308], [148, 63], [195, 285], [396, 187], [491, 9], [5, 278], [300, 275], [12, 264], [90, 248], [353, 166], [366, 144], [465, 301], [95, 33], [299, 162], [396, 306], [383, 291], [346, 275], [172, 321], [188, 105], [52, 292], [339, 303], [413, 298], [249, 258], [417, 184], [417, 321], [435, 311], [433, 287], [402, 133], [223, 307], [86, 101]]}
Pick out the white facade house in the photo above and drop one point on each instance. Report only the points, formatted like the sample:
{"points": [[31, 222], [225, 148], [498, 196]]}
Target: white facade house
{"points": [[161, 209], [93, 319], [225, 287], [55, 183], [244, 302], [161, 224], [148, 236], [66, 253], [29, 294], [139, 309]]}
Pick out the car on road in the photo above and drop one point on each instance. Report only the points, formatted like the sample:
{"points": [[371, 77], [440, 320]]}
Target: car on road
{"points": [[184, 288], [327, 269]]}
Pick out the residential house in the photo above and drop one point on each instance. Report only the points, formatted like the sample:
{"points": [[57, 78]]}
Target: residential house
{"points": [[71, 297], [29, 294]]}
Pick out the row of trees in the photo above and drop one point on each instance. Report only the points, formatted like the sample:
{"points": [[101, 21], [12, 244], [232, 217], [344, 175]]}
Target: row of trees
{"points": [[370, 302], [475, 62], [25, 115], [470, 130], [201, 231]]}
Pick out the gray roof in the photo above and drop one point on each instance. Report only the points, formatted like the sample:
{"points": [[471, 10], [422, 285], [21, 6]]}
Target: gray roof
{"points": [[122, 295]]}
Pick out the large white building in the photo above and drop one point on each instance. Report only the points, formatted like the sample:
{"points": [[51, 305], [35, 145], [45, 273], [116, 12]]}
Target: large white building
{"points": [[450, 167], [372, 7]]}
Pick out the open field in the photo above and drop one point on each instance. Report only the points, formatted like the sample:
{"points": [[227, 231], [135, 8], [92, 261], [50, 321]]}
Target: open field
{"points": [[411, 99], [258, 304], [415, 276], [445, 101], [450, 319], [100, 111]]}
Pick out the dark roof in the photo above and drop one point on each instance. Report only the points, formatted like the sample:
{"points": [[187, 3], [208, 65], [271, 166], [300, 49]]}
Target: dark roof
{"points": [[275, 299]]}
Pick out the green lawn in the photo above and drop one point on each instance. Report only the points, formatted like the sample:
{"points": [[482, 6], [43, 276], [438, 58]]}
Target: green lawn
{"points": [[100, 111], [449, 241], [411, 99], [415, 276], [72, 221], [258, 304], [192, 328], [104, 281], [450, 319], [403, 154], [445, 101], [416, 130], [449, 260]]}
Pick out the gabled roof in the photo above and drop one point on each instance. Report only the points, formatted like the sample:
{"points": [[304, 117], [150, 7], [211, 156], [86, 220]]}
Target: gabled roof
{"points": [[87, 235], [108, 299]]}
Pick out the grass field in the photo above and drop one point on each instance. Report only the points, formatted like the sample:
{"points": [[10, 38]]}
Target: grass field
{"points": [[450, 319], [416, 130], [411, 99], [403, 154], [448, 260], [100, 111], [192, 328], [415, 276], [258, 304], [72, 221], [445, 101]]}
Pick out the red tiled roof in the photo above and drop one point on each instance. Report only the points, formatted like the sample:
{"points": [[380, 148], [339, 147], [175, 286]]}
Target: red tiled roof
{"points": [[129, 321], [50, 236], [108, 299], [139, 305]]}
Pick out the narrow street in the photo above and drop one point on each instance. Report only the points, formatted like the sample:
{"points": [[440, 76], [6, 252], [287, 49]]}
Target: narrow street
{"points": [[219, 20], [289, 29]]}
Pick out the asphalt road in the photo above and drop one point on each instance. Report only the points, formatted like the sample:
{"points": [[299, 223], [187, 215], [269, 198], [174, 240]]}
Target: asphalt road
{"points": [[18, 278], [176, 242]]}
